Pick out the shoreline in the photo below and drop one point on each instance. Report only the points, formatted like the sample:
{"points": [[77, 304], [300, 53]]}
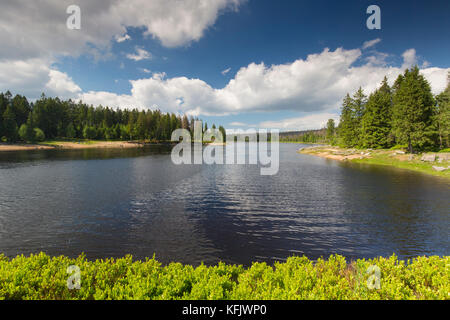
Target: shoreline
{"points": [[70, 145], [432, 163]]}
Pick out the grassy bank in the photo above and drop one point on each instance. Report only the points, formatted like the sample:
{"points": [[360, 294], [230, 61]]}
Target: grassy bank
{"points": [[44, 277], [393, 158]]}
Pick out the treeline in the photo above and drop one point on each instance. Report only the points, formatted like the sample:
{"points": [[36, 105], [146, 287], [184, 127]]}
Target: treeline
{"points": [[53, 118], [308, 136], [405, 114]]}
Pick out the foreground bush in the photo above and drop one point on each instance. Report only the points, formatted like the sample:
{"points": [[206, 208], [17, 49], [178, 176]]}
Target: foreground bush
{"points": [[43, 277]]}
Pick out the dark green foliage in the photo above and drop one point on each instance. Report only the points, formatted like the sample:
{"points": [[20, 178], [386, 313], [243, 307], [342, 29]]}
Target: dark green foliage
{"points": [[406, 114], [442, 116], [348, 128], [89, 132], [224, 133], [308, 136], [21, 109], [70, 131], [66, 119], [4, 102], [413, 111], [376, 121], [331, 131], [10, 129]]}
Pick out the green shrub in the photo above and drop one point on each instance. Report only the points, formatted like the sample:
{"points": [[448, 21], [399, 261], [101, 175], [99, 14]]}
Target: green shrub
{"points": [[43, 277], [39, 135]]}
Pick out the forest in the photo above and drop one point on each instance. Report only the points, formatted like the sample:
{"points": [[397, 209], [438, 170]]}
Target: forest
{"points": [[53, 118], [404, 115]]}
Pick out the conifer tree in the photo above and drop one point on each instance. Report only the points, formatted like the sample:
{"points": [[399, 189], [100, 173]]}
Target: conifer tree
{"points": [[331, 128], [347, 128], [376, 121], [359, 105], [9, 125], [443, 115], [413, 112], [30, 133]]}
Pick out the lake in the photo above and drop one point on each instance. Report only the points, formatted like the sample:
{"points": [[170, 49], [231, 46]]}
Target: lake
{"points": [[109, 203]]}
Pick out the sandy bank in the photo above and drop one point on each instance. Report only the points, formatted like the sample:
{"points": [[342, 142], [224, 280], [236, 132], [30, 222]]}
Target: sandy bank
{"points": [[70, 145]]}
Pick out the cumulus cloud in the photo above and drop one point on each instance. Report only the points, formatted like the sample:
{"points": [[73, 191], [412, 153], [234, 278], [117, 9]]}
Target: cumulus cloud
{"points": [[37, 29], [315, 84], [32, 77], [308, 122], [122, 38], [409, 58], [141, 54]]}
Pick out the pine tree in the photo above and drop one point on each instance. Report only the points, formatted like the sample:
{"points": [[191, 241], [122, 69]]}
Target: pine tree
{"points": [[443, 115], [224, 133], [376, 121], [30, 133], [413, 112], [331, 129], [10, 125], [3, 106], [347, 129], [70, 131], [359, 105]]}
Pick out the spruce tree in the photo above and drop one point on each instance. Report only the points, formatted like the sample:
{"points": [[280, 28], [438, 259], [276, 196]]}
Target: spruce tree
{"points": [[376, 121], [3, 106], [346, 123], [9, 125], [443, 116], [359, 105], [412, 122], [30, 133], [331, 128]]}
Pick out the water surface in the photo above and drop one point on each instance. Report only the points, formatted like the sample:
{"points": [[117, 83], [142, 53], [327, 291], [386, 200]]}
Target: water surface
{"points": [[108, 203]]}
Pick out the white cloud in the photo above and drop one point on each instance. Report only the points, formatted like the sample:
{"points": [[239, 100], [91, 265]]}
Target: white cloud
{"points": [[437, 77], [377, 59], [224, 72], [315, 84], [37, 29], [35, 76], [122, 38], [371, 43], [238, 124], [409, 58], [61, 84], [309, 122], [141, 54], [145, 70]]}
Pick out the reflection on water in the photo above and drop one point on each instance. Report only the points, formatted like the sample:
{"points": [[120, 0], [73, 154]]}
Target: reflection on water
{"points": [[114, 202]]}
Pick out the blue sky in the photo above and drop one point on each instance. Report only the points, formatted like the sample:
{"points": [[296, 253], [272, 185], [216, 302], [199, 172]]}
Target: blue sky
{"points": [[236, 63]]}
